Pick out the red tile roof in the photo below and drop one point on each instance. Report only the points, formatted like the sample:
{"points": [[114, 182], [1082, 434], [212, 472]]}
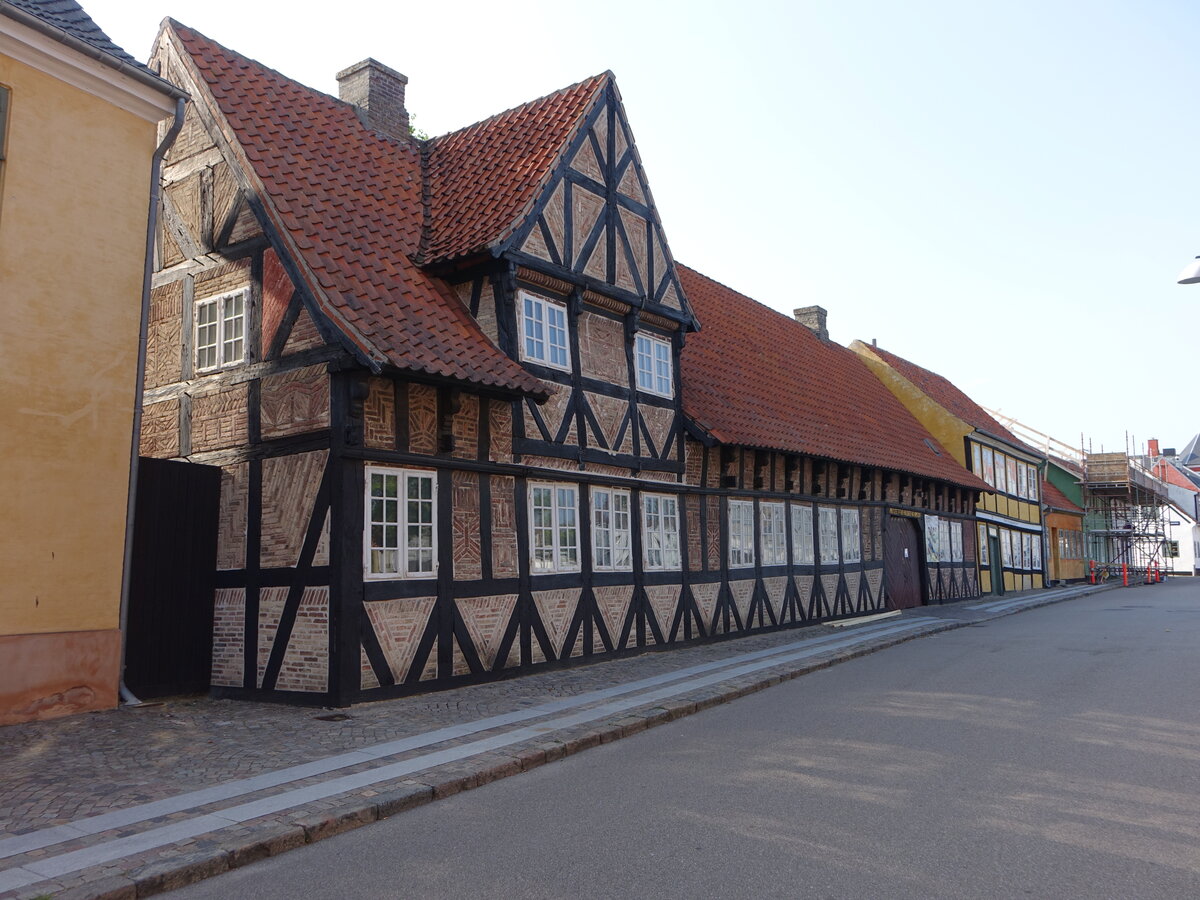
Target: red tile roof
{"points": [[757, 378], [1168, 473], [485, 178], [1057, 500], [349, 202], [949, 397]]}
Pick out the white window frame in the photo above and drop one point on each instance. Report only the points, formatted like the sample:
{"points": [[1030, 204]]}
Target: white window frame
{"points": [[660, 525], [606, 526], [741, 534], [827, 533], [1035, 483], [802, 535], [989, 466], [851, 525], [401, 523], [956, 542], [982, 537], [564, 517], [222, 356], [650, 356], [536, 313], [772, 524]]}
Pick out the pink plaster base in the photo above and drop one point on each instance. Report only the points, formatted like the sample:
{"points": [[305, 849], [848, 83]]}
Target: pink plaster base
{"points": [[43, 676]]}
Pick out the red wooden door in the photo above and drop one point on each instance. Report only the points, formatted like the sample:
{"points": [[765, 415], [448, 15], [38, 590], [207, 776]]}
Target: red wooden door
{"points": [[902, 562]]}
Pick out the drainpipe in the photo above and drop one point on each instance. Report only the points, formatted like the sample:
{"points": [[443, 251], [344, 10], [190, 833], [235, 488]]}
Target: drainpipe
{"points": [[147, 273]]}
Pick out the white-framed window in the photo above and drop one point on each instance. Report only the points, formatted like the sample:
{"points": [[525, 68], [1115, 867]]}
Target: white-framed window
{"points": [[1010, 465], [976, 460], [611, 548], [401, 538], [1006, 547], [956, 542], [1022, 480], [771, 518], [544, 331], [851, 536], [1034, 483], [741, 533], [802, 535], [1035, 544], [554, 528], [989, 466], [933, 539], [653, 358], [983, 545], [1001, 474], [220, 331], [660, 531], [827, 534]]}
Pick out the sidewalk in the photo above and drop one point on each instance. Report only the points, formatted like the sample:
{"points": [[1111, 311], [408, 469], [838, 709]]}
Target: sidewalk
{"points": [[134, 801]]}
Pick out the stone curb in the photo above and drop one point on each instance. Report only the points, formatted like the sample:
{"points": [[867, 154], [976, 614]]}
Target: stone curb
{"points": [[215, 856]]}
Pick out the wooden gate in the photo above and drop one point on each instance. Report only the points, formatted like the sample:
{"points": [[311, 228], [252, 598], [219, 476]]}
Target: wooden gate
{"points": [[169, 634], [902, 562]]}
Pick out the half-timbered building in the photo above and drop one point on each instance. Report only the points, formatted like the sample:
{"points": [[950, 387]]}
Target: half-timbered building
{"points": [[443, 382]]}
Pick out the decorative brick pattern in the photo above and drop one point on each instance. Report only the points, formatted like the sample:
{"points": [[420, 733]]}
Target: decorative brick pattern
{"points": [[853, 577], [192, 139], [231, 523], [486, 618], [712, 538], [693, 461], [600, 129], [270, 610], [229, 637], [613, 602], [743, 592], [218, 279], [553, 411], [504, 527], [465, 426], [556, 609], [295, 402], [585, 162], [458, 660], [598, 262], [321, 554], [468, 563], [830, 584], [602, 349], [631, 186], [622, 277], [535, 245], [555, 216], [660, 262], [422, 419], [163, 335], [219, 419], [487, 312], [225, 193], [875, 584], [304, 334], [587, 208], [366, 675], [289, 491], [160, 430], [500, 431], [276, 296], [691, 509], [306, 662], [705, 596], [635, 230], [776, 590], [714, 468], [379, 414], [658, 421], [184, 195], [610, 412], [398, 626], [663, 600], [671, 297], [804, 587]]}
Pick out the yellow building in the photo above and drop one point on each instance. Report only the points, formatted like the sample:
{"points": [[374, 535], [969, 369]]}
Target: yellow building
{"points": [[79, 132], [1009, 528]]}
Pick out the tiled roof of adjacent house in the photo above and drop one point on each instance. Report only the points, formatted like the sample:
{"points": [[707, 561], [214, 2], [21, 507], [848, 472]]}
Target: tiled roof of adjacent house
{"points": [[949, 397], [1057, 500], [484, 178], [350, 204], [757, 378], [1167, 472]]}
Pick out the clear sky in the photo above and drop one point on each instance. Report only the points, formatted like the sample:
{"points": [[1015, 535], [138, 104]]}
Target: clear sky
{"points": [[1000, 192]]}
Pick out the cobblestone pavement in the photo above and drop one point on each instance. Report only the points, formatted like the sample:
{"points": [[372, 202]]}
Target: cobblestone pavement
{"points": [[66, 770]]}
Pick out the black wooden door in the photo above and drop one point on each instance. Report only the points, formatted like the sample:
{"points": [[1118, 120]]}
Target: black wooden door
{"points": [[902, 562], [169, 636]]}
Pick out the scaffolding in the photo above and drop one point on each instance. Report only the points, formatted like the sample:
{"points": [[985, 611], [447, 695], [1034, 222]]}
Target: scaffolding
{"points": [[1125, 518]]}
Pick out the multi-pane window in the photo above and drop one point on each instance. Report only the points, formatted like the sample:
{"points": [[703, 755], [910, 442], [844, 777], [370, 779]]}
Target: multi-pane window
{"points": [[741, 533], [1034, 483], [989, 466], [1006, 547], [554, 527], [660, 531], [956, 542], [802, 535], [544, 332], [851, 538], [1010, 465], [653, 357], [1035, 546], [983, 545], [1022, 480], [610, 530], [976, 460], [400, 524], [220, 331], [827, 534], [774, 534]]}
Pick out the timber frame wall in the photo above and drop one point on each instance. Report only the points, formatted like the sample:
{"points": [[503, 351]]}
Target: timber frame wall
{"points": [[296, 423]]}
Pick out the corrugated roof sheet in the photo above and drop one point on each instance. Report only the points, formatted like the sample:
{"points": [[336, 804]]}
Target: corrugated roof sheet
{"points": [[757, 378]]}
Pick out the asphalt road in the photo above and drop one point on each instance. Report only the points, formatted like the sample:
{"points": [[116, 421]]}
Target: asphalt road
{"points": [[1054, 753]]}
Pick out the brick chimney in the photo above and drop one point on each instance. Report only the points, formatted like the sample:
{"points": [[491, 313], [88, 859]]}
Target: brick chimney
{"points": [[813, 318], [378, 93], [1154, 454]]}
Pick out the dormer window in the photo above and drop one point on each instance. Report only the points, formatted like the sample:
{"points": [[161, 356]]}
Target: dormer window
{"points": [[544, 332], [653, 357], [220, 331]]}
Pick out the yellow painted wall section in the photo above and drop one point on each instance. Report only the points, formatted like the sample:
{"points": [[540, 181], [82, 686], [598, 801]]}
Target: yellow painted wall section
{"points": [[72, 244]]}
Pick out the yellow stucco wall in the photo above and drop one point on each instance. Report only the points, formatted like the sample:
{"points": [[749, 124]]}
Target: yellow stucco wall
{"points": [[72, 243]]}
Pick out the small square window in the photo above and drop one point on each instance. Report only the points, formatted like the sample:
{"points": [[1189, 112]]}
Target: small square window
{"points": [[653, 357], [220, 331], [544, 331]]}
